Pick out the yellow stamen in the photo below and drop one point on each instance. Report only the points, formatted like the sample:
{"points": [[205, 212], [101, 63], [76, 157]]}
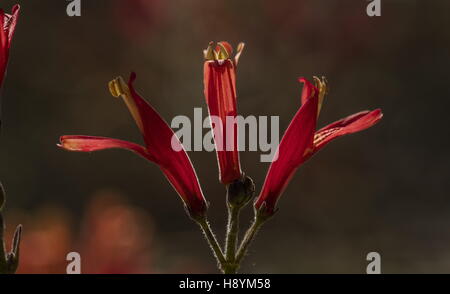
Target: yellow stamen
{"points": [[321, 85], [223, 53], [119, 88], [210, 53]]}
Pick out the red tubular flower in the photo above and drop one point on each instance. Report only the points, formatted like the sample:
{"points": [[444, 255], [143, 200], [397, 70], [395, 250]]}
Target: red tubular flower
{"points": [[160, 145], [7, 28], [220, 93], [301, 141]]}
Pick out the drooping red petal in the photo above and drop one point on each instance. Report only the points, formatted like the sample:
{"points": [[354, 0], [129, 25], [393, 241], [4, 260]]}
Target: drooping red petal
{"points": [[354, 123], [90, 143], [162, 145], [220, 94], [291, 151]]}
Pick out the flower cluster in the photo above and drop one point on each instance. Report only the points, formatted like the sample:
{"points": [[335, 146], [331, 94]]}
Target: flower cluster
{"points": [[299, 143]]}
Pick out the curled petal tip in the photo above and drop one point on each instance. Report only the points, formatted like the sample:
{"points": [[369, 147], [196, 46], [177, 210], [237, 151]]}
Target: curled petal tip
{"points": [[66, 143], [240, 47], [133, 77], [239, 50], [378, 112], [377, 115]]}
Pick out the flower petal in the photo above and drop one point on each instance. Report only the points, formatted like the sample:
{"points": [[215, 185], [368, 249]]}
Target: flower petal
{"points": [[167, 151], [308, 90], [90, 143], [354, 123], [291, 151], [220, 94]]}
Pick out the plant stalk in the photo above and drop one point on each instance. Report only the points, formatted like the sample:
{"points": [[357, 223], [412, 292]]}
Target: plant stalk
{"points": [[248, 238], [232, 239], [212, 241]]}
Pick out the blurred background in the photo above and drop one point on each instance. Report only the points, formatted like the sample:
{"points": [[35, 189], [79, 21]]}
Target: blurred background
{"points": [[384, 190]]}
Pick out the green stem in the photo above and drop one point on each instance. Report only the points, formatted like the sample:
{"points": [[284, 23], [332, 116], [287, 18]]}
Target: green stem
{"points": [[212, 241], [248, 238], [231, 239], [232, 233]]}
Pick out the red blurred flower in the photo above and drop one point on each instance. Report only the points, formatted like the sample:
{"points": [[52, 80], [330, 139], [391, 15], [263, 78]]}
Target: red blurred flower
{"points": [[301, 141], [160, 145], [116, 237], [7, 27], [47, 241], [220, 93]]}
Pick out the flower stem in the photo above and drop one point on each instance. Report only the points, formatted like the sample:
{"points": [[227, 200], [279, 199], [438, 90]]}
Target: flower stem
{"points": [[212, 241], [232, 232], [248, 238], [231, 239]]}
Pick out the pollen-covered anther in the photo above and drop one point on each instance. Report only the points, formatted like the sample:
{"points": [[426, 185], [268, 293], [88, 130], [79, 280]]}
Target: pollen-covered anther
{"points": [[222, 52], [118, 87], [209, 53], [322, 85]]}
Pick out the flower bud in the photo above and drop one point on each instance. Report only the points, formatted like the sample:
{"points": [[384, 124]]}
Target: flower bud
{"points": [[240, 191]]}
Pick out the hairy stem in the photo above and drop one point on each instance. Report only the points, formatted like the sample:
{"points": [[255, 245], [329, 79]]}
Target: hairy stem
{"points": [[231, 239], [232, 233], [248, 238], [212, 241]]}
